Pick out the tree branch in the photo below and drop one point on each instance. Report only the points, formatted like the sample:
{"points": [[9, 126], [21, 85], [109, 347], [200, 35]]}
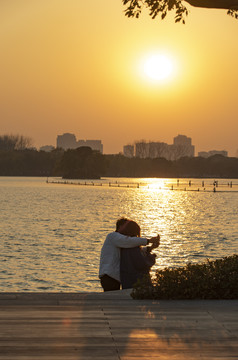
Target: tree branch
{"points": [[161, 7], [215, 4]]}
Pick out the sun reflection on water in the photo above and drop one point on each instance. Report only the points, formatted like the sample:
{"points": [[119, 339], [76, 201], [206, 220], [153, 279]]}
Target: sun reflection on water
{"points": [[51, 235], [192, 225]]}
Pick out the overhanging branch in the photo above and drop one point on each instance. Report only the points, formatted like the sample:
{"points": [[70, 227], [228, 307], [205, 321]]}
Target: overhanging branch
{"points": [[161, 7]]}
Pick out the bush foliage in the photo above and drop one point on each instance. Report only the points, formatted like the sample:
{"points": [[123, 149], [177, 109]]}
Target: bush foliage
{"points": [[210, 280]]}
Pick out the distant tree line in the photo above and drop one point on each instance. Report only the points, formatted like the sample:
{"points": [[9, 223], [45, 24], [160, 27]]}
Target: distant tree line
{"points": [[18, 158], [14, 142], [84, 163], [28, 162], [81, 163], [216, 166]]}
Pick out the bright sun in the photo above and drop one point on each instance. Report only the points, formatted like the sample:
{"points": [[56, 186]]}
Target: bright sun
{"points": [[158, 67]]}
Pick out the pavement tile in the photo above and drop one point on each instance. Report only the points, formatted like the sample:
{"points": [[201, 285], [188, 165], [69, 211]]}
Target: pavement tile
{"points": [[113, 326]]}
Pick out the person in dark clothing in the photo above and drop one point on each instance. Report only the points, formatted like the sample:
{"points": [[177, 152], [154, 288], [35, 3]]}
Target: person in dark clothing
{"points": [[135, 263], [109, 268]]}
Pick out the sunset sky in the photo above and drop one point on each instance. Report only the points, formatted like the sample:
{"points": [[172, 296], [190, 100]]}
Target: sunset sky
{"points": [[78, 66]]}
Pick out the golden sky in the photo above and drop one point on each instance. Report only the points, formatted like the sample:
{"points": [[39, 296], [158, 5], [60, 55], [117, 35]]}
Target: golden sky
{"points": [[76, 66]]}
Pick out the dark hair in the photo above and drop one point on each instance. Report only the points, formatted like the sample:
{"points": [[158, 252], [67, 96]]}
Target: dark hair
{"points": [[131, 228], [120, 222]]}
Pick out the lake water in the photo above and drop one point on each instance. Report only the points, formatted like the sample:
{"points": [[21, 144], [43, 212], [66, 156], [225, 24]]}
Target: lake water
{"points": [[51, 234]]}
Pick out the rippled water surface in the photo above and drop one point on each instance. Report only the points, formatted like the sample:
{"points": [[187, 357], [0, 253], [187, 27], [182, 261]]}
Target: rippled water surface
{"points": [[51, 234]]}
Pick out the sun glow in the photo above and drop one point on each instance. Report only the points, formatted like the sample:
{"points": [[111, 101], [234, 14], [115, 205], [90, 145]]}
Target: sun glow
{"points": [[158, 67]]}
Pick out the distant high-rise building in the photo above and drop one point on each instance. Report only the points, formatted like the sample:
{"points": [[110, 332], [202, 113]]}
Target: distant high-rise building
{"points": [[151, 149], [142, 149], [181, 147], [68, 141], [157, 150], [182, 140], [93, 144]]}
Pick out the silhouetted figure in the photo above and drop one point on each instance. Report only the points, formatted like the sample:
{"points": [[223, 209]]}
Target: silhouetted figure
{"points": [[135, 262], [109, 269]]}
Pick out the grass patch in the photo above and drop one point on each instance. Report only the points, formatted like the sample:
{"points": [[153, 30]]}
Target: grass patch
{"points": [[216, 279]]}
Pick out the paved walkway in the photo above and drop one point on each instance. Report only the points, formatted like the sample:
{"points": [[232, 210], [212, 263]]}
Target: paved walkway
{"points": [[113, 326]]}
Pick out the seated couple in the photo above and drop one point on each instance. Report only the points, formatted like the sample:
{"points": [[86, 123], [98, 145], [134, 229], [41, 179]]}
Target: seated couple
{"points": [[123, 261]]}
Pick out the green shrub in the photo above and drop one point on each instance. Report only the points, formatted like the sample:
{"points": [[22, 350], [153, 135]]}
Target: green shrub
{"points": [[216, 279]]}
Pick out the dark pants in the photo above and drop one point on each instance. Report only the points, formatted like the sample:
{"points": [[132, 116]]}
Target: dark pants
{"points": [[109, 284]]}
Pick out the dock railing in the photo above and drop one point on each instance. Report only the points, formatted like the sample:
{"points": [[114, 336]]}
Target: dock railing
{"points": [[204, 185]]}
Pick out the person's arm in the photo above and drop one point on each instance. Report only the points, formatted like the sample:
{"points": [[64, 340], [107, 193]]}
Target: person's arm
{"points": [[154, 245], [123, 241]]}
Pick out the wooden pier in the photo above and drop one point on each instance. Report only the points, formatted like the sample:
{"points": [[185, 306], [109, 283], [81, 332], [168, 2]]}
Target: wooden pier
{"points": [[50, 326], [188, 185], [93, 183]]}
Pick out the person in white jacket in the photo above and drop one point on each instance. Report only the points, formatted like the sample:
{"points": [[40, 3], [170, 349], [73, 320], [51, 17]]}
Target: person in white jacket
{"points": [[109, 269]]}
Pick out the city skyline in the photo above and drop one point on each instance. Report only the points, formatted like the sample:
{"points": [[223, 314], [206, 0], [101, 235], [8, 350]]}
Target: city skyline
{"points": [[151, 149], [88, 70], [69, 141], [182, 146], [197, 146]]}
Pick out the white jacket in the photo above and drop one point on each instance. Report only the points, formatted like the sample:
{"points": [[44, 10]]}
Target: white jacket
{"points": [[110, 253]]}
